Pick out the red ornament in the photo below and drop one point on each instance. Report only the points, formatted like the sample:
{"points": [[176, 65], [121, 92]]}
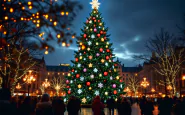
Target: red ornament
{"points": [[101, 49], [94, 25], [88, 83], [68, 86], [98, 35], [115, 64], [94, 18], [105, 38], [67, 81], [84, 52], [87, 21], [115, 92], [77, 75], [76, 59], [108, 50], [98, 20], [101, 32], [105, 73], [107, 57], [72, 70], [104, 32], [105, 80], [69, 92], [85, 35], [120, 80]]}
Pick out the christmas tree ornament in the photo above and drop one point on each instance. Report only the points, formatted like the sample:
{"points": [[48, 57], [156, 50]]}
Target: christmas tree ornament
{"points": [[85, 70], [79, 91], [76, 59], [94, 18], [111, 78], [120, 80], [83, 47], [97, 16], [71, 81], [91, 29], [69, 92], [106, 64], [101, 32], [80, 43], [102, 39], [79, 65], [72, 70], [100, 75], [84, 52], [115, 70], [80, 57], [92, 76], [100, 85], [67, 81], [81, 78], [97, 43], [101, 49], [80, 54], [90, 88], [102, 60], [106, 93], [98, 35], [97, 92], [108, 50], [98, 21], [87, 21], [95, 30], [90, 65], [84, 100], [95, 70], [88, 49], [85, 35], [107, 57], [79, 86], [67, 86], [90, 21], [105, 73], [88, 83], [77, 75], [92, 36], [115, 92], [114, 85], [100, 24], [68, 74], [121, 86], [89, 43], [110, 61], [106, 46], [90, 57], [117, 77], [84, 59], [97, 54]]}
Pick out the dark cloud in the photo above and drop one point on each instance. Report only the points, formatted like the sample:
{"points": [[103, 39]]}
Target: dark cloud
{"points": [[131, 23]]}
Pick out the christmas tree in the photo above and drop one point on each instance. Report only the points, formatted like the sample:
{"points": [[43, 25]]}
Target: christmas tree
{"points": [[94, 72]]}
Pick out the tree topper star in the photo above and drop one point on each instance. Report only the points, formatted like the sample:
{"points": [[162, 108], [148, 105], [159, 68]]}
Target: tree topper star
{"points": [[95, 4]]}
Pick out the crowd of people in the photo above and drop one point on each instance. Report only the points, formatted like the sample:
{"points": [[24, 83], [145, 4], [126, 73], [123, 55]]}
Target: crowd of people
{"points": [[55, 106]]}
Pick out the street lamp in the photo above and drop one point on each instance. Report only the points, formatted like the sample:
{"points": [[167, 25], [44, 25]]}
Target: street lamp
{"points": [[183, 78], [144, 84], [18, 86], [29, 79], [46, 83], [153, 90]]}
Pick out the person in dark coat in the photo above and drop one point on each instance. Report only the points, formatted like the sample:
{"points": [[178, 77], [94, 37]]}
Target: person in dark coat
{"points": [[149, 107], [125, 108], [44, 107], [26, 107], [165, 106], [111, 105], [6, 108], [73, 106], [97, 106], [58, 107], [143, 105]]}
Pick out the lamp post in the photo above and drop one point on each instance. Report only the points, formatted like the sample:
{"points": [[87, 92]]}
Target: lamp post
{"points": [[183, 78], [18, 86], [46, 83], [144, 84], [29, 79]]}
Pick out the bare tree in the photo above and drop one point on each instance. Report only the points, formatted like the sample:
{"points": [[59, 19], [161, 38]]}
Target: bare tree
{"points": [[42, 88], [58, 84], [17, 58], [133, 83]]}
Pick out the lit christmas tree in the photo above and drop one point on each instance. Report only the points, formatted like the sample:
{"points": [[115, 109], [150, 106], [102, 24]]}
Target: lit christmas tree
{"points": [[94, 72]]}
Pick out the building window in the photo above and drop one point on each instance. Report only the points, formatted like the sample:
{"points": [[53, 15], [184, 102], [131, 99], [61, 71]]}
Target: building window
{"points": [[123, 74], [126, 74]]}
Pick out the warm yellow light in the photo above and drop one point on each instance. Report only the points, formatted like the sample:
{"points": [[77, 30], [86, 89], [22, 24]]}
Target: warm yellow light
{"points": [[102, 39], [69, 74], [54, 23], [23, 8], [79, 86], [73, 36], [46, 16], [29, 3], [58, 35], [80, 57], [11, 10], [102, 60], [46, 52], [67, 13], [183, 77], [38, 25], [30, 7], [96, 43], [38, 21], [22, 18], [4, 32], [117, 77], [80, 43], [62, 13], [90, 88], [63, 44], [6, 17], [88, 49], [83, 47], [90, 65]]}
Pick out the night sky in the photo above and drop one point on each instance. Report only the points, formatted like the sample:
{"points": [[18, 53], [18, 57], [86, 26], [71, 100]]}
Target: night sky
{"points": [[130, 23]]}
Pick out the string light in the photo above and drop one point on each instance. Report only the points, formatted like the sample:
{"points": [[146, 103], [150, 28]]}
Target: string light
{"points": [[11, 10], [62, 13]]}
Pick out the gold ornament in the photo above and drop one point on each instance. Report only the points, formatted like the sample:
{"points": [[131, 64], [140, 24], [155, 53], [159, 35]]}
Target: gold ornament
{"points": [[96, 43], [100, 24], [90, 88], [91, 29], [117, 77], [79, 86], [102, 60], [109, 60], [107, 43], [80, 57], [90, 57], [68, 74], [100, 75], [90, 65], [106, 46], [83, 47], [114, 70], [88, 49], [80, 43], [106, 93], [102, 39]]}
